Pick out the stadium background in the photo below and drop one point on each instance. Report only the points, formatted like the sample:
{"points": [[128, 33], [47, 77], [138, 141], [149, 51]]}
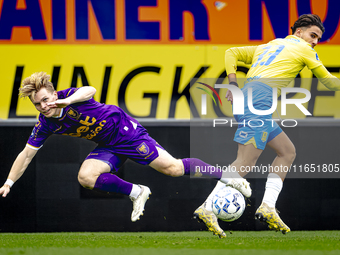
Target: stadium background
{"points": [[141, 56]]}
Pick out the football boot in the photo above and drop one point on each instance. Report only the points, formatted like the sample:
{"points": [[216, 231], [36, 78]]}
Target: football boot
{"points": [[210, 220], [139, 203], [269, 215]]}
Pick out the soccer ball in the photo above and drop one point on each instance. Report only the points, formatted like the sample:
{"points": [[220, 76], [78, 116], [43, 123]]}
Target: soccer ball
{"points": [[228, 204]]}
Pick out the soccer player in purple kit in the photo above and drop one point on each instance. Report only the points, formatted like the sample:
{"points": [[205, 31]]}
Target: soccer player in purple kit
{"points": [[74, 112]]}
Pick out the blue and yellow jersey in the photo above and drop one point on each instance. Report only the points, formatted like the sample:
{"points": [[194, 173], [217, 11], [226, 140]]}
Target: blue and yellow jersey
{"points": [[278, 62]]}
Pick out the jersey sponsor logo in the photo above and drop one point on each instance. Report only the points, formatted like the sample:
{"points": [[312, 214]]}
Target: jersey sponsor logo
{"points": [[96, 130], [143, 149], [73, 113], [86, 128], [254, 78]]}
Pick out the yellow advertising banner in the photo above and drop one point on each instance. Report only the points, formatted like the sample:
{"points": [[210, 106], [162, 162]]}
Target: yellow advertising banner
{"points": [[141, 55], [147, 81]]}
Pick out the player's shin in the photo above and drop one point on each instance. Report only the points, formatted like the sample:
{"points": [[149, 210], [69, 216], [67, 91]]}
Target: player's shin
{"points": [[197, 168], [108, 182], [273, 188]]}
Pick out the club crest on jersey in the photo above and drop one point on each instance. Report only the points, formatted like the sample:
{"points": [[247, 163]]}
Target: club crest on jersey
{"points": [[73, 113], [143, 149]]}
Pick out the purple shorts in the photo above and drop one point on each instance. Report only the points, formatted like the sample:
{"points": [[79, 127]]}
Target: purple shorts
{"points": [[142, 149]]}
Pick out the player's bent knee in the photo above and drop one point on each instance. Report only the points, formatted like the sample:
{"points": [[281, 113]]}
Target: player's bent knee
{"points": [[290, 154], [82, 181], [85, 180]]}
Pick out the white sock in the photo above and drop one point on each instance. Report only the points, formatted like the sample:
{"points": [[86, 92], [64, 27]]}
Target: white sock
{"points": [[273, 188], [135, 191], [209, 200]]}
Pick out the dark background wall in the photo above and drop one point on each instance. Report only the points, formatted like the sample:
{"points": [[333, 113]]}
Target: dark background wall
{"points": [[49, 198]]}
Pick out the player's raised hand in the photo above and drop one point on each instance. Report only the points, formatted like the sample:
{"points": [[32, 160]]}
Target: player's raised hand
{"points": [[60, 103], [229, 96], [4, 190]]}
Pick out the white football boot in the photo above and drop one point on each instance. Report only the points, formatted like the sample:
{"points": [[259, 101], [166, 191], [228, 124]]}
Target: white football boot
{"points": [[241, 185], [139, 203]]}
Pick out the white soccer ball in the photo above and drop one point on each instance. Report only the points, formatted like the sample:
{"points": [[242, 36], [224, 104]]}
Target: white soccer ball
{"points": [[228, 204]]}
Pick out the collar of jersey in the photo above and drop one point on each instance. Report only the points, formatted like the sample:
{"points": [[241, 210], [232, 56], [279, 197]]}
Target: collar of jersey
{"points": [[61, 113], [298, 38]]}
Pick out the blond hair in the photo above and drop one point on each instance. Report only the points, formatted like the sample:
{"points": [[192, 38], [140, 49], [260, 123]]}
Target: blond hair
{"points": [[31, 85]]}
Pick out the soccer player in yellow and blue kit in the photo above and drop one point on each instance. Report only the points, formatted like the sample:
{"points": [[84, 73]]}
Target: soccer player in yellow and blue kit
{"points": [[273, 65]]}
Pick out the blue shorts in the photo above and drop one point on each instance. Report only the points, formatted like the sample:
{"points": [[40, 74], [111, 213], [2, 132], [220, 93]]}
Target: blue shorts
{"points": [[256, 129], [141, 149]]}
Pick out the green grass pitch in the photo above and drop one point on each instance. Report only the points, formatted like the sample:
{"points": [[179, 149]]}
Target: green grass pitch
{"points": [[200, 242]]}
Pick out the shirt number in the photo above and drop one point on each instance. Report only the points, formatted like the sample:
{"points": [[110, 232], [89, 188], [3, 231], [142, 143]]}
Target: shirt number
{"points": [[268, 57]]}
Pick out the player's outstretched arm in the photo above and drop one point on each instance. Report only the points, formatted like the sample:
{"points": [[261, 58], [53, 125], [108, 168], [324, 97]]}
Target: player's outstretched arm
{"points": [[82, 94], [326, 78], [232, 81], [232, 56], [18, 168]]}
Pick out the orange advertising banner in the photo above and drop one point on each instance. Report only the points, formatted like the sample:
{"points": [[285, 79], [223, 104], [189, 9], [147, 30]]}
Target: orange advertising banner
{"points": [[159, 21]]}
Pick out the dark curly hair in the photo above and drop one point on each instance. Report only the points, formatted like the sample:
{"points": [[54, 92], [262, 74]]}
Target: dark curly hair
{"points": [[308, 20]]}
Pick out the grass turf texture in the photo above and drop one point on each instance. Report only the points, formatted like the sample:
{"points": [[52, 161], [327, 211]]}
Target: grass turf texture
{"points": [[240, 242]]}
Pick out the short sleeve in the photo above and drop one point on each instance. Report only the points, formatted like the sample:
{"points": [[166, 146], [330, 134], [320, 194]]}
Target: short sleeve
{"points": [[38, 136], [66, 92]]}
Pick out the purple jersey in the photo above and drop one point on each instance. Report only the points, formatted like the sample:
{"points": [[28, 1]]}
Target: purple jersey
{"points": [[107, 125]]}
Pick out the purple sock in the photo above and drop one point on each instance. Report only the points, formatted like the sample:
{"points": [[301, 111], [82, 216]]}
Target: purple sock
{"points": [[111, 183], [198, 168]]}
